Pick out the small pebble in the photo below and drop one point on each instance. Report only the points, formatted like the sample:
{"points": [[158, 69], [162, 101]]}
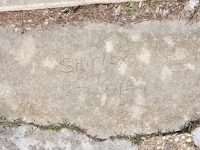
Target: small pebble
{"points": [[189, 140], [176, 139]]}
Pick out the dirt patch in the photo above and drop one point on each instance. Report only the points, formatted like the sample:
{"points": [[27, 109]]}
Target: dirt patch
{"points": [[118, 13]]}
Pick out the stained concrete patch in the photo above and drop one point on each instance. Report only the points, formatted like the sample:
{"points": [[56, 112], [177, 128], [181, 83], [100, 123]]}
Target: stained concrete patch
{"points": [[29, 138], [138, 83], [109, 46], [25, 51], [145, 56], [165, 73]]}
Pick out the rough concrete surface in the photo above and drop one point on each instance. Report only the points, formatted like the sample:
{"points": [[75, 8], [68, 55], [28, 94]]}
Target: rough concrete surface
{"points": [[30, 138], [12, 5], [107, 79]]}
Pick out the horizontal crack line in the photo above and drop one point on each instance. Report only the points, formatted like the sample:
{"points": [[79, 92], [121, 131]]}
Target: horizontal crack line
{"points": [[135, 139]]}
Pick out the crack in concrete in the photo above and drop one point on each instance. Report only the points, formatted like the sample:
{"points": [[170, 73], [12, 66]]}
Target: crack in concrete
{"points": [[135, 139]]}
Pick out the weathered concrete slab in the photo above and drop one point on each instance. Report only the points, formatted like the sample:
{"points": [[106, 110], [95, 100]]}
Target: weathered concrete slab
{"points": [[105, 78], [13, 5], [29, 138]]}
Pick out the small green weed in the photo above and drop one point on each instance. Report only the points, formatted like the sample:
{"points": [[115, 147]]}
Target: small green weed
{"points": [[137, 138], [55, 127], [128, 6]]}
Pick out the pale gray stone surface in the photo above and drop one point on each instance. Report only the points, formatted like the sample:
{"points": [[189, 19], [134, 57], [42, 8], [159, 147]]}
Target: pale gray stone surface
{"points": [[12, 5], [107, 79], [30, 138], [196, 136], [191, 4]]}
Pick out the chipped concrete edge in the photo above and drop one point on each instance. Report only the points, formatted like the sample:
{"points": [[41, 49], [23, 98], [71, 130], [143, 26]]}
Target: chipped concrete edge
{"points": [[135, 139], [54, 4]]}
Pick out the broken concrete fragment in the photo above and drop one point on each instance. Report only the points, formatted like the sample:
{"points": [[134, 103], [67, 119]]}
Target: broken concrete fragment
{"points": [[196, 136], [107, 79]]}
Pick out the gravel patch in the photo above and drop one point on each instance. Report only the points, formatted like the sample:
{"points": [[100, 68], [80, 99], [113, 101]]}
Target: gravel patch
{"points": [[118, 13]]}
